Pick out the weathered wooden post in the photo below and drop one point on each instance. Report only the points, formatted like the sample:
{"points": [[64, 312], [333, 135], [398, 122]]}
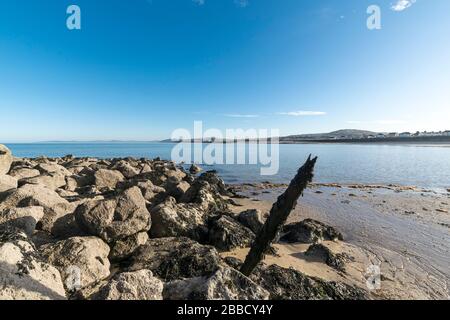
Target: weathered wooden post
{"points": [[278, 215]]}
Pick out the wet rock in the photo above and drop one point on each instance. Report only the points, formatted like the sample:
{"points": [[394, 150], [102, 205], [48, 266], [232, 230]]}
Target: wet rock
{"points": [[225, 284], [138, 285], [108, 178], [290, 284], [336, 261], [195, 169], [117, 218], [7, 183], [309, 231], [170, 219], [24, 219], [23, 273], [176, 258], [124, 248], [89, 255], [6, 159], [252, 219], [226, 234]]}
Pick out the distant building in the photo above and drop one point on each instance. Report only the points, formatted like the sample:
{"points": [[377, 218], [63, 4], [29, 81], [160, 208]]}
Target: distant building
{"points": [[381, 136], [446, 133], [405, 134], [392, 134]]}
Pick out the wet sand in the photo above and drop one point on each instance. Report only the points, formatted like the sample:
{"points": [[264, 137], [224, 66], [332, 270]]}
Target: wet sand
{"points": [[403, 229]]}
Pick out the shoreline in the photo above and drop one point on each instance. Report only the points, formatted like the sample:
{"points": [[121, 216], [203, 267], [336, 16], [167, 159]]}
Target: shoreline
{"points": [[61, 196]]}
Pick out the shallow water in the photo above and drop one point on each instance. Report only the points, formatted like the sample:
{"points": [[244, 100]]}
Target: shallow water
{"points": [[419, 165]]}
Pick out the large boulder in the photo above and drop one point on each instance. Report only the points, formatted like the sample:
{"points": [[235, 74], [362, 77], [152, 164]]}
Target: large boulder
{"points": [[52, 180], [226, 234], [126, 169], [24, 219], [176, 258], [108, 179], [117, 218], [23, 172], [290, 284], [138, 285], [87, 256], [252, 219], [36, 195], [170, 219], [7, 183], [334, 260], [23, 273], [225, 284], [6, 159], [48, 168], [309, 231]]}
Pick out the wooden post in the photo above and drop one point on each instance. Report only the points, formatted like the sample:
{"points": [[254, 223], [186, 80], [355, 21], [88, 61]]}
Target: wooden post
{"points": [[278, 215]]}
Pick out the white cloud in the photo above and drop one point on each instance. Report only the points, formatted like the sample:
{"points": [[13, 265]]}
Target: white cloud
{"points": [[241, 115], [401, 5], [199, 2], [302, 113], [241, 3]]}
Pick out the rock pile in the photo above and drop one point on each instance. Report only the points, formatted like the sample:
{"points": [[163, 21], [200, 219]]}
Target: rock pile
{"points": [[112, 229]]}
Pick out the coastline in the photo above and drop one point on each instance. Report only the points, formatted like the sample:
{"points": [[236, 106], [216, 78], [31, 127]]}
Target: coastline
{"points": [[124, 211]]}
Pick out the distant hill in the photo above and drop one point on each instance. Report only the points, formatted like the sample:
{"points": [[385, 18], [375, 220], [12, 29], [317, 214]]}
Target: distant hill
{"points": [[344, 133]]}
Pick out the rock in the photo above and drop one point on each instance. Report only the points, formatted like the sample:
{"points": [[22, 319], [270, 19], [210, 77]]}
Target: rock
{"points": [[36, 195], [23, 274], [87, 256], [52, 180], [108, 178], [23, 173], [7, 183], [124, 248], [138, 285], [194, 169], [336, 261], [175, 188], [75, 181], [48, 168], [252, 219], [24, 219], [6, 160], [227, 234], [225, 284], [309, 231], [126, 169], [170, 219], [117, 218], [290, 284], [176, 258]]}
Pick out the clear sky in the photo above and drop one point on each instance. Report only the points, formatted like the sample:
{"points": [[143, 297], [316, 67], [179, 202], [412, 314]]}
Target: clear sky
{"points": [[142, 68]]}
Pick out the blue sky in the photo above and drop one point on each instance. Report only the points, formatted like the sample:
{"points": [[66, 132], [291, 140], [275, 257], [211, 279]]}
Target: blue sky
{"points": [[140, 69]]}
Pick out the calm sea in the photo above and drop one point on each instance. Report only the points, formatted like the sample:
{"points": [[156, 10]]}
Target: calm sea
{"points": [[419, 165]]}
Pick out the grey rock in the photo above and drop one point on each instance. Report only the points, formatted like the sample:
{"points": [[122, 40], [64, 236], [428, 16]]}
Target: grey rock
{"points": [[88, 255], [226, 234], [138, 285], [309, 231], [23, 273], [334, 260], [176, 258], [194, 169], [6, 159], [108, 178], [252, 219], [225, 284], [24, 219], [7, 183]]}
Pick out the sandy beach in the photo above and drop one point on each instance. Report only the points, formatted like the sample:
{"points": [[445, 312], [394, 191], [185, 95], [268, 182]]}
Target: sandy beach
{"points": [[405, 230]]}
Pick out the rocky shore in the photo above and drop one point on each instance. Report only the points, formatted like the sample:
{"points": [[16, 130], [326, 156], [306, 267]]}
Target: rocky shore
{"points": [[140, 229]]}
